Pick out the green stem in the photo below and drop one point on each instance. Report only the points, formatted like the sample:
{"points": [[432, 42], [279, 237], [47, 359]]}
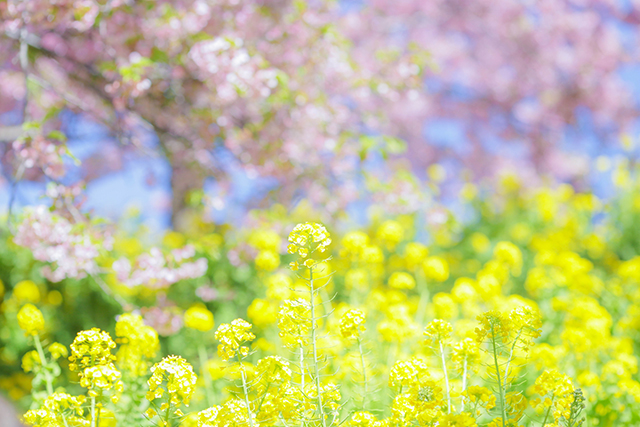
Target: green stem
{"points": [[364, 374], [497, 366], [43, 361], [202, 355], [245, 389], [315, 348], [167, 415], [513, 346], [93, 411], [98, 416], [263, 397], [302, 373], [544, 422], [464, 380], [446, 377]]}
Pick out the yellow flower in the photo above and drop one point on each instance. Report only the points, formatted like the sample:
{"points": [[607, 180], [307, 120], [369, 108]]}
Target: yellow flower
{"points": [[267, 260], [232, 336], [262, 313], [480, 242], [172, 240], [402, 280], [233, 413], [364, 419], [464, 290], [138, 344], [436, 268], [54, 298], [462, 419], [437, 172], [356, 278], [493, 324], [390, 233], [307, 238], [215, 368], [273, 369], [509, 254], [372, 255], [467, 351], [58, 350], [352, 323], [408, 373], [444, 306], [30, 319], [516, 404], [199, 318], [398, 325], [279, 286], [91, 348], [353, 244], [294, 322], [414, 254], [438, 332], [52, 410], [208, 417], [30, 360], [329, 396], [175, 376], [27, 291], [480, 395], [103, 377], [555, 391], [265, 240]]}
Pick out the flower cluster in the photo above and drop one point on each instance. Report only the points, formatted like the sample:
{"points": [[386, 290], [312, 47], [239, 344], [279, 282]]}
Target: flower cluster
{"points": [[232, 336], [556, 394], [294, 322], [58, 409], [352, 323], [438, 331], [30, 319], [199, 318], [306, 239], [138, 344], [91, 348], [175, 376], [99, 378], [310, 359], [41, 153], [70, 250]]}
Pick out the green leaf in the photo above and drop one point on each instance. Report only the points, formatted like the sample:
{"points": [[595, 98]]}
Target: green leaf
{"points": [[76, 161], [158, 55], [395, 145], [57, 135], [27, 126]]}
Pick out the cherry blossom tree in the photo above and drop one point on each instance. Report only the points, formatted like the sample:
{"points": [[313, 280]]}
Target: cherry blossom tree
{"points": [[521, 71], [269, 81], [303, 92]]}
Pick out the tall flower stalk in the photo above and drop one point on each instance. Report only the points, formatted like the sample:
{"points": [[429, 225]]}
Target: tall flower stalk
{"points": [[305, 241]]}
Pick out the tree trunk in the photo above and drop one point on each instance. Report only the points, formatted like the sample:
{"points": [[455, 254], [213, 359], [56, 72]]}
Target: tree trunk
{"points": [[185, 178]]}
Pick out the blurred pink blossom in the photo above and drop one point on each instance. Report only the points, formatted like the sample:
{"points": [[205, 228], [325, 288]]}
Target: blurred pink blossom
{"points": [[157, 270]]}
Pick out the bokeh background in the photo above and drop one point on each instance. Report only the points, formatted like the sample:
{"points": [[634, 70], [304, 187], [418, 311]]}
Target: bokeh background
{"points": [[147, 127]]}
